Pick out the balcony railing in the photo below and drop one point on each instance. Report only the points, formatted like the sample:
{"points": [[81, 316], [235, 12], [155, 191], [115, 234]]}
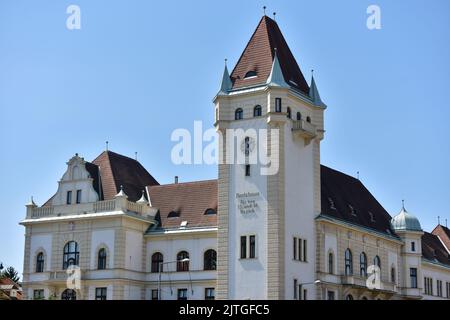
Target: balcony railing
{"points": [[304, 129], [118, 204]]}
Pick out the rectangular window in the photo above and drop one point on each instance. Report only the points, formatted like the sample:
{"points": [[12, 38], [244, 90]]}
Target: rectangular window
{"points": [[330, 295], [69, 197], [295, 248], [304, 251], [38, 294], [182, 294], [78, 196], [247, 170], [243, 247], [428, 284], [100, 293], [413, 246], [277, 104], [252, 247], [210, 294], [155, 294], [413, 277], [295, 290], [300, 249], [439, 288]]}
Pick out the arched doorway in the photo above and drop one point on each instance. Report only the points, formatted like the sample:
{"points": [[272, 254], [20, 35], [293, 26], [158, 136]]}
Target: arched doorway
{"points": [[69, 294]]}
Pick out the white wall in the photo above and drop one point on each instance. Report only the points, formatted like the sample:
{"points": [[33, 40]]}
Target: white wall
{"points": [[38, 242], [133, 250], [299, 212], [101, 238], [247, 277]]}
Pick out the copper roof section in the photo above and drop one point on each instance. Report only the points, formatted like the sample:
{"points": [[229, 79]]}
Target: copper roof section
{"points": [[258, 56], [188, 201]]}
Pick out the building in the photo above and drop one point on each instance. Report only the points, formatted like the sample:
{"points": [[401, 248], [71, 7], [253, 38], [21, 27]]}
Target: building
{"points": [[10, 290], [286, 229]]}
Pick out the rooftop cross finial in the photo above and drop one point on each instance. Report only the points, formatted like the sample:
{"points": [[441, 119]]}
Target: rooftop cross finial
{"points": [[107, 142], [135, 155], [312, 72], [274, 14], [357, 174], [264, 10], [226, 62], [439, 220], [403, 204]]}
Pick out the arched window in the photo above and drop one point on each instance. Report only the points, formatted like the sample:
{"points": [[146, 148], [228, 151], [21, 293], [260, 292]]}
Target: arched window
{"points": [[348, 262], [238, 114], [157, 262], [101, 263], [377, 262], [289, 113], [69, 294], [363, 264], [71, 254], [299, 116], [349, 297], [257, 111], [308, 119], [330, 263], [393, 274], [183, 261], [209, 260], [40, 262]]}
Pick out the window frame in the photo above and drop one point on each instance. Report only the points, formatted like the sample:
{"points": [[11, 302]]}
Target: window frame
{"points": [[71, 255], [182, 266], [210, 260], [243, 246], [78, 196], [208, 295], [363, 264], [330, 262], [101, 293], [413, 276], [348, 262], [252, 246], [40, 262], [38, 294], [184, 296], [101, 258], [69, 197], [257, 111], [278, 105], [157, 260], [239, 114]]}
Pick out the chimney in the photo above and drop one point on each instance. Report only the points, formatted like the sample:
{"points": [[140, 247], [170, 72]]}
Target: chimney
{"points": [[176, 179]]}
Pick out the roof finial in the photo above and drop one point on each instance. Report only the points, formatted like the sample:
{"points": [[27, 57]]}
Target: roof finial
{"points": [[135, 155], [357, 174], [403, 205], [274, 14], [446, 222], [107, 142], [312, 72], [264, 10], [439, 220], [226, 62]]}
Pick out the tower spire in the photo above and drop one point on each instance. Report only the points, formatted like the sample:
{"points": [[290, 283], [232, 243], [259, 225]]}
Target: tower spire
{"points": [[226, 85], [276, 78], [314, 93]]}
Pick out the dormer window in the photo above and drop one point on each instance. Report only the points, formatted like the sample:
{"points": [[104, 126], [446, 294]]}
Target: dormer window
{"points": [[210, 211], [173, 214], [250, 74]]}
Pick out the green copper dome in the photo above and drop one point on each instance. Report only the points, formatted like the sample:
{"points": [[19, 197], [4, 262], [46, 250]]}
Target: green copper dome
{"points": [[405, 221]]}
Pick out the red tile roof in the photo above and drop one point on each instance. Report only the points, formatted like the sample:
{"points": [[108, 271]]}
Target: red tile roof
{"points": [[444, 234], [185, 202], [117, 170], [258, 56], [434, 250]]}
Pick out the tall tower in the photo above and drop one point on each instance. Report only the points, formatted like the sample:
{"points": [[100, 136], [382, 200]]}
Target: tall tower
{"points": [[266, 236]]}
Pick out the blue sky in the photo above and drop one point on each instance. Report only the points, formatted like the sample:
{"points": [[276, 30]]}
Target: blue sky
{"points": [[137, 70]]}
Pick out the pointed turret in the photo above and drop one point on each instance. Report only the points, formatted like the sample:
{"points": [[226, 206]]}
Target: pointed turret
{"points": [[314, 94], [226, 85], [276, 78]]}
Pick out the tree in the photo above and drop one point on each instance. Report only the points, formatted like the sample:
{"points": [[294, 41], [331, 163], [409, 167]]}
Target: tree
{"points": [[11, 273]]}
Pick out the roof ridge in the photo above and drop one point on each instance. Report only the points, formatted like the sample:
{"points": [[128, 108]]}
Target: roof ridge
{"points": [[178, 183]]}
